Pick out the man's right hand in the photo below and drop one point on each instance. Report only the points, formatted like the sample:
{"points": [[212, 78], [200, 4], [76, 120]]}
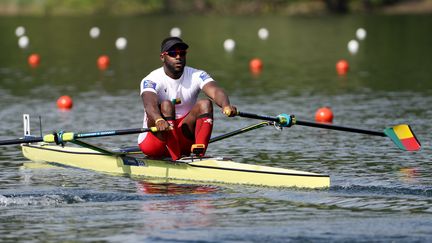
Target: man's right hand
{"points": [[162, 125]]}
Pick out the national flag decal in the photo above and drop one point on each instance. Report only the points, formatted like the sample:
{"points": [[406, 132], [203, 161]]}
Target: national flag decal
{"points": [[403, 137], [148, 84], [204, 76]]}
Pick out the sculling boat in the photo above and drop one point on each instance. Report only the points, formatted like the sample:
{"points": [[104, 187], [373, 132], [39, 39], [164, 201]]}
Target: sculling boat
{"points": [[205, 169], [201, 169]]}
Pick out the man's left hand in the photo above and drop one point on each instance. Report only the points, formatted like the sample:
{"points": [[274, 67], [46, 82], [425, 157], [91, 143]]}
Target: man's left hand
{"points": [[230, 110]]}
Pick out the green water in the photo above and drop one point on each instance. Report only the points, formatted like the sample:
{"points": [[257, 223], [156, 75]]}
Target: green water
{"points": [[377, 192]]}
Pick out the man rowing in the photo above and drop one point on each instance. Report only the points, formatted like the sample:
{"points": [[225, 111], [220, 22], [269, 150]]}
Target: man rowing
{"points": [[170, 98]]}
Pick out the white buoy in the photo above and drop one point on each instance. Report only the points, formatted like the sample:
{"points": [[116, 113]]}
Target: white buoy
{"points": [[361, 33], [23, 42], [121, 43], [175, 32], [263, 33], [229, 45], [94, 32], [19, 31], [353, 46]]}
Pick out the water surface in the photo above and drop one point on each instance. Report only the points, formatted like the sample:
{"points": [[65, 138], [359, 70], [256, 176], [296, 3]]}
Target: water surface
{"points": [[377, 193]]}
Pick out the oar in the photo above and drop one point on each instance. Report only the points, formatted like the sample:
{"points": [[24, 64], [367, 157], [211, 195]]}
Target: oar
{"points": [[402, 135], [62, 137]]}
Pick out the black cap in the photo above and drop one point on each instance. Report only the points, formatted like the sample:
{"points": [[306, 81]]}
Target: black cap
{"points": [[169, 42]]}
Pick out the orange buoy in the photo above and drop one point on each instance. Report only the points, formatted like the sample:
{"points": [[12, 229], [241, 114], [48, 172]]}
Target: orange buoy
{"points": [[103, 62], [255, 65], [33, 60], [64, 102], [342, 67], [324, 114]]}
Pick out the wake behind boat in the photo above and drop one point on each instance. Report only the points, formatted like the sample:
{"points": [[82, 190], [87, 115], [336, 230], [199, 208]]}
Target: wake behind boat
{"points": [[205, 169]]}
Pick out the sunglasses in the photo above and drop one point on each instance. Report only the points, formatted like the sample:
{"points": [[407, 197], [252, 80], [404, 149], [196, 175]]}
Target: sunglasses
{"points": [[181, 53]]}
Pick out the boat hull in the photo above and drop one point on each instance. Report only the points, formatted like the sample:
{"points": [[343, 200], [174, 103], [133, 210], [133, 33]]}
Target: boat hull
{"points": [[212, 170]]}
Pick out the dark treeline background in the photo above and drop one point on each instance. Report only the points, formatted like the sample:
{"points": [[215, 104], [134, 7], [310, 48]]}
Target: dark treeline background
{"points": [[203, 7]]}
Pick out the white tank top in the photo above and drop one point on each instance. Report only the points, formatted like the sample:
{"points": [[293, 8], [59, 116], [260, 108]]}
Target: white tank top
{"points": [[186, 89]]}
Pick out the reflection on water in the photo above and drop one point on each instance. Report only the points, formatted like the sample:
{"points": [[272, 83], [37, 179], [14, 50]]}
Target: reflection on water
{"points": [[410, 175], [172, 188]]}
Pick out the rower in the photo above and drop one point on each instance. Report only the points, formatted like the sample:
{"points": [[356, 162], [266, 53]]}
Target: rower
{"points": [[188, 120]]}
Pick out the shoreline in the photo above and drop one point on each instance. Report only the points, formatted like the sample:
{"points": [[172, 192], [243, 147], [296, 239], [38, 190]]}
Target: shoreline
{"points": [[255, 8]]}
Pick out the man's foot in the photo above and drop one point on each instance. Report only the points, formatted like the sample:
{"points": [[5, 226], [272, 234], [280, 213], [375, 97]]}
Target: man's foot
{"points": [[198, 149]]}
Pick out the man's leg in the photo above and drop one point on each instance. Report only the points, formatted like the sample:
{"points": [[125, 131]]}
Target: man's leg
{"points": [[171, 138], [154, 147], [167, 139], [198, 124]]}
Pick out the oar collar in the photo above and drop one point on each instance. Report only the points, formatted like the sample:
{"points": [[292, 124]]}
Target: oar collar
{"points": [[286, 120]]}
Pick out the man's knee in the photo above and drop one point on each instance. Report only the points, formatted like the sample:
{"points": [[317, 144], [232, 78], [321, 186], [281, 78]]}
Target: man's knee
{"points": [[167, 108], [205, 106]]}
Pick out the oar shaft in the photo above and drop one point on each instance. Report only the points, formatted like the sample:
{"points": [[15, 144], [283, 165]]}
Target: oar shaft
{"points": [[339, 128], [260, 117], [313, 124], [70, 136], [21, 140], [111, 133]]}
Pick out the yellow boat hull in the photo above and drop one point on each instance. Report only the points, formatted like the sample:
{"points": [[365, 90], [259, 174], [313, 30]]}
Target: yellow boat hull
{"points": [[212, 170]]}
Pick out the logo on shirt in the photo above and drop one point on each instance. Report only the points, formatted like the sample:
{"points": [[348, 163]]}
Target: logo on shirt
{"points": [[204, 76], [148, 84]]}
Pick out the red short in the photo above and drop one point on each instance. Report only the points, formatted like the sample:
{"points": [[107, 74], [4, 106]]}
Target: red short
{"points": [[154, 147]]}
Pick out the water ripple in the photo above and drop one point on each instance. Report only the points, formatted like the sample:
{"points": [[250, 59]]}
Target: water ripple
{"points": [[379, 190]]}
